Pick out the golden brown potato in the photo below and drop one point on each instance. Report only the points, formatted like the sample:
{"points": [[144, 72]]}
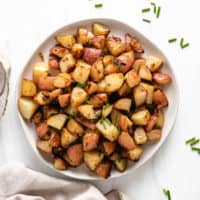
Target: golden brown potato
{"points": [[160, 99], [62, 81], [98, 100], [121, 164], [161, 78], [123, 104], [59, 164], [40, 69], [111, 68], [98, 41], [41, 129], [46, 83], [141, 117], [37, 117], [153, 63], [74, 127], [67, 138], [145, 73], [136, 45], [28, 88], [58, 50], [126, 141], [114, 82], [57, 121], [63, 100], [132, 78], [115, 45], [101, 86], [87, 111], [93, 159], [44, 146], [108, 59], [139, 95], [78, 96], [152, 122], [124, 122], [42, 98], [97, 71], [150, 90], [115, 115], [138, 63], [107, 109], [84, 36], [48, 111], [67, 62], [66, 40], [103, 169], [124, 89], [55, 139], [55, 93], [91, 87], [135, 154], [81, 72], [109, 148], [160, 120], [77, 50], [70, 110], [100, 29], [87, 123], [140, 135], [90, 141], [154, 135], [128, 39]]}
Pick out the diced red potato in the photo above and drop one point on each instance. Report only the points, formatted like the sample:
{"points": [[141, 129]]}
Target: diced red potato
{"points": [[123, 104], [86, 123], [126, 141], [55, 139], [63, 100], [53, 62], [136, 45], [91, 87], [98, 100], [103, 169], [60, 164], [91, 55], [152, 122], [128, 39], [154, 135], [160, 99], [161, 78], [109, 148], [42, 129], [46, 83], [98, 41], [124, 122], [138, 63], [58, 50], [90, 141]]}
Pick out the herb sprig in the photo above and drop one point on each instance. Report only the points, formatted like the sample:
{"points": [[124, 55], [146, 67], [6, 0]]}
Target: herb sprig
{"points": [[193, 142], [98, 5], [167, 194]]}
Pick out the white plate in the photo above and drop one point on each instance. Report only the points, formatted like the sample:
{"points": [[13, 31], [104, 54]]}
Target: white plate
{"points": [[117, 28]]}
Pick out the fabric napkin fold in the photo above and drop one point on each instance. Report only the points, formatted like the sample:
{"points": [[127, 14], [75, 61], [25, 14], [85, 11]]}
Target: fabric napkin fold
{"points": [[20, 183]]}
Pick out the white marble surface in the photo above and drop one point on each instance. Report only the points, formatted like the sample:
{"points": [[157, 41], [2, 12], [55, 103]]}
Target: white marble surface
{"points": [[24, 24]]}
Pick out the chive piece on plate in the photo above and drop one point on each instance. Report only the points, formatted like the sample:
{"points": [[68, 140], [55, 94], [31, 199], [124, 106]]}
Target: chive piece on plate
{"points": [[172, 40], [185, 45], [99, 5], [158, 12], [190, 140], [182, 43], [167, 194], [146, 20], [154, 7], [195, 142], [146, 10], [196, 149]]}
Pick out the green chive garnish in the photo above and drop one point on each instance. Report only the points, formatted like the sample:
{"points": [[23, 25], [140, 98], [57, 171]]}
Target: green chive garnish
{"points": [[154, 7], [167, 194], [185, 45], [146, 20], [172, 40], [196, 149], [146, 10], [195, 142], [190, 140], [158, 12], [81, 85], [182, 43], [87, 100], [99, 5], [106, 106], [108, 121]]}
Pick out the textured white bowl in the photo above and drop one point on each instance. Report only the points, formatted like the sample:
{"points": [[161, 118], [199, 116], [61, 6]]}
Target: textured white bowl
{"points": [[119, 29]]}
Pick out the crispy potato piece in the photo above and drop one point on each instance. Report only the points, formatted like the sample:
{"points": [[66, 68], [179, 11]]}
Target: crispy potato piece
{"points": [[138, 63], [90, 141], [49, 111], [98, 41], [115, 45], [37, 117], [91, 55], [46, 83], [162, 78], [97, 71], [153, 63], [154, 135], [27, 107], [152, 122], [121, 164], [150, 91], [77, 50], [140, 135], [136, 45], [123, 104], [124, 122], [111, 68], [128, 39], [100, 29], [88, 124], [81, 72], [53, 63], [139, 95], [59, 164], [66, 40], [57, 121], [92, 159], [87, 111], [160, 99], [101, 86], [55, 93], [108, 130], [59, 82], [84, 36], [161, 119], [74, 127], [67, 138], [78, 96], [70, 110], [42, 98], [108, 59], [103, 169], [28, 88], [58, 50], [74, 155], [41, 129], [63, 100], [114, 82], [145, 73], [91, 87], [98, 100], [67, 62], [107, 109], [124, 89], [115, 115], [132, 78], [126, 141], [135, 154], [55, 139], [44, 146], [141, 117], [40, 69], [109, 148]]}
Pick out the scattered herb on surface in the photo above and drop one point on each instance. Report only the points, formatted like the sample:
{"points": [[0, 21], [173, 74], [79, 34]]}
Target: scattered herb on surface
{"points": [[182, 45], [167, 194], [98, 5], [196, 149], [146, 20], [87, 100], [172, 40], [106, 106], [158, 12], [195, 142], [146, 10], [81, 85], [190, 140], [154, 7]]}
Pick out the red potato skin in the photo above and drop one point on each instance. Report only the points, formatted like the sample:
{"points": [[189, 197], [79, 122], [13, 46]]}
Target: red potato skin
{"points": [[90, 141], [91, 55], [123, 123], [57, 50], [128, 39], [152, 122], [53, 62], [161, 78], [98, 41], [41, 129], [126, 141], [55, 139], [160, 99], [125, 61], [46, 83], [136, 45], [75, 154], [63, 100], [86, 123], [109, 148], [103, 169]]}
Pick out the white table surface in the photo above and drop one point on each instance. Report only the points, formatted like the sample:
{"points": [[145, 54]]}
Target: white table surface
{"points": [[24, 24]]}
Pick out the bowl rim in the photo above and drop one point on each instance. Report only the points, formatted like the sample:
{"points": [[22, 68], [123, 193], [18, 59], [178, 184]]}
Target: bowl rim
{"points": [[156, 148]]}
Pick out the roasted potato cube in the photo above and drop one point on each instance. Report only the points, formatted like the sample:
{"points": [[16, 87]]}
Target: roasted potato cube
{"points": [[115, 116], [153, 63], [67, 138], [59, 164], [108, 59], [53, 63], [87, 111], [40, 69], [74, 155], [88, 124], [136, 45], [100, 29], [160, 120], [55, 139], [55, 93], [108, 130], [63, 100], [48, 111], [77, 50], [139, 95], [123, 104], [78, 96], [44, 146], [121, 164], [70, 110], [124, 122], [103, 169], [135, 154], [154, 135], [115, 45], [128, 39], [46, 83], [91, 55], [98, 100], [81, 72], [59, 82], [124, 90], [98, 41], [126, 141], [58, 50], [152, 122], [93, 159], [101, 86], [109, 148], [111, 68], [97, 71], [150, 90], [42, 98], [66, 40], [41, 129], [160, 99], [67, 62], [141, 117], [90, 141], [27, 107], [57, 121], [132, 78], [138, 63], [91, 87], [84, 36], [145, 73], [28, 88], [107, 109], [37, 117], [74, 127], [140, 135], [162, 78], [114, 82]]}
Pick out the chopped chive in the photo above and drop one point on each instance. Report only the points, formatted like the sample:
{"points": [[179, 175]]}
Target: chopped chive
{"points": [[190, 140], [154, 7], [172, 40], [119, 129], [146, 10], [99, 5], [158, 12], [196, 149], [146, 20], [116, 120], [106, 106], [185, 45], [167, 194], [182, 43], [87, 100], [195, 142], [81, 85], [108, 121], [102, 122]]}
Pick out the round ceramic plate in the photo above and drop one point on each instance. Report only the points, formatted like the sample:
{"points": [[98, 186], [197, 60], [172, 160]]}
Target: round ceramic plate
{"points": [[119, 29]]}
